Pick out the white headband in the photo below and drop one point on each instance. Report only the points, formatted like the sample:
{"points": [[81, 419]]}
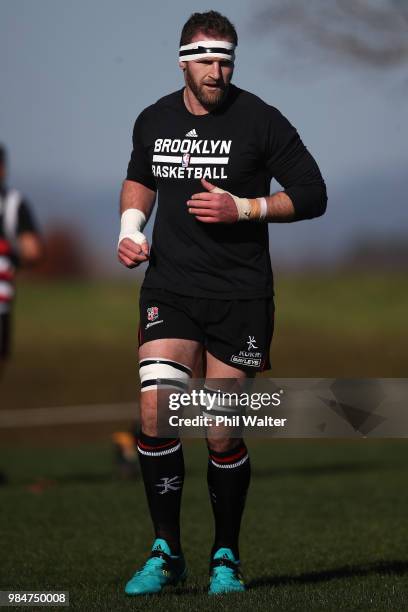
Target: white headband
{"points": [[207, 48]]}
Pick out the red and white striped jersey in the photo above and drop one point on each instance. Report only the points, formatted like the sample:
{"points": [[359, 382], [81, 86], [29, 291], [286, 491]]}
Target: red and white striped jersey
{"points": [[9, 215]]}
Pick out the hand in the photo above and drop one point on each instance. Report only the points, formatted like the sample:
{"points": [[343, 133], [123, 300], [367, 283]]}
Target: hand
{"points": [[131, 254], [211, 207]]}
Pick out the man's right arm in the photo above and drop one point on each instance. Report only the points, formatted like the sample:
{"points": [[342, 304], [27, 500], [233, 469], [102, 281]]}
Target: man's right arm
{"points": [[136, 204]]}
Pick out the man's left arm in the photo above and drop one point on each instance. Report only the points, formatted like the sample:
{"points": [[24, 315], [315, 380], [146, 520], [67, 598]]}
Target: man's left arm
{"points": [[287, 159], [290, 163], [219, 206]]}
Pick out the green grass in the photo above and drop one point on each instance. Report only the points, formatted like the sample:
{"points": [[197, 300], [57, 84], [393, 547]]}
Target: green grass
{"points": [[352, 304], [325, 528], [75, 343]]}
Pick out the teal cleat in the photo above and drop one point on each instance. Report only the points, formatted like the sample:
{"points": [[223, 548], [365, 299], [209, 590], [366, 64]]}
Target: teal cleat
{"points": [[160, 570], [225, 575]]}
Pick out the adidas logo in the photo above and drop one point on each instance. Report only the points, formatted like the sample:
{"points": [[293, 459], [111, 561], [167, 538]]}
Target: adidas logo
{"points": [[192, 133]]}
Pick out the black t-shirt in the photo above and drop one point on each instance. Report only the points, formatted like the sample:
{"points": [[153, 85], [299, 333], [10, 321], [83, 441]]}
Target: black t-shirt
{"points": [[239, 147]]}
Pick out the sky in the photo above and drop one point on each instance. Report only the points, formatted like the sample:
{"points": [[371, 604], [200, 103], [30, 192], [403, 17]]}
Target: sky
{"points": [[75, 75]]}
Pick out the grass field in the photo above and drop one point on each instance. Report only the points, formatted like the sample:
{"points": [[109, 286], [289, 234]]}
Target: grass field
{"points": [[75, 343], [325, 528]]}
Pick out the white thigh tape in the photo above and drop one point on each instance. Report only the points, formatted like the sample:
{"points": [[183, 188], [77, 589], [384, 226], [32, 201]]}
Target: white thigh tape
{"points": [[156, 372], [221, 403]]}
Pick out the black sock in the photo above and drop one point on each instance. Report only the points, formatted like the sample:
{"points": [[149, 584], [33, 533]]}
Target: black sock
{"points": [[228, 479], [162, 465]]}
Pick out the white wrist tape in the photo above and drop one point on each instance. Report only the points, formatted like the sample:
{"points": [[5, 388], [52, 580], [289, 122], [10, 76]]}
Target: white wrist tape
{"points": [[249, 209], [264, 208], [132, 222]]}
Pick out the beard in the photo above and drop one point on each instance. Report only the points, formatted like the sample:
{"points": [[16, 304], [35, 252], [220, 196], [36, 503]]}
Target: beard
{"points": [[209, 98]]}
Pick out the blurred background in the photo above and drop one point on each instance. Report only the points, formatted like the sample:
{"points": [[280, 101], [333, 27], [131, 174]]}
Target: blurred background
{"points": [[74, 77], [71, 90]]}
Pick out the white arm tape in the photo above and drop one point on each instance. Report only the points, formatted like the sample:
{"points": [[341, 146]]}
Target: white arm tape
{"points": [[264, 208], [132, 222], [244, 206]]}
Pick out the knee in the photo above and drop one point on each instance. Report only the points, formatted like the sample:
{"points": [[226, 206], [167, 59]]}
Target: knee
{"points": [[157, 373], [223, 445]]}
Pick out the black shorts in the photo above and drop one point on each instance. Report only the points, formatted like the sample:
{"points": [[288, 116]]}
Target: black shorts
{"points": [[237, 332], [5, 325]]}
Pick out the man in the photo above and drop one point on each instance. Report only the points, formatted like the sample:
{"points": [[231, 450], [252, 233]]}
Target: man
{"points": [[20, 245], [210, 151]]}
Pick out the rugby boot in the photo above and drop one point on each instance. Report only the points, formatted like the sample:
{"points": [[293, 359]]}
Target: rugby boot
{"points": [[161, 569], [225, 575]]}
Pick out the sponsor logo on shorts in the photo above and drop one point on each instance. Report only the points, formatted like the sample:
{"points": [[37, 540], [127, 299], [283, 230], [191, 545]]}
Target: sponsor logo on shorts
{"points": [[153, 323], [251, 342], [251, 358]]}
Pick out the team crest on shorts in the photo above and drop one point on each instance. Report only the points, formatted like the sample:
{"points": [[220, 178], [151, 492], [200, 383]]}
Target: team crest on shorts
{"points": [[152, 313], [152, 316]]}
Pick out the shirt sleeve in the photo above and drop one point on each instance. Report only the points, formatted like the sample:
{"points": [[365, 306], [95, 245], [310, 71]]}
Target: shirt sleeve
{"points": [[291, 164], [25, 220], [139, 168]]}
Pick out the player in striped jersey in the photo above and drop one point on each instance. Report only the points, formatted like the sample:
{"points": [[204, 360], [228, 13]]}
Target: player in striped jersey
{"points": [[20, 245]]}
